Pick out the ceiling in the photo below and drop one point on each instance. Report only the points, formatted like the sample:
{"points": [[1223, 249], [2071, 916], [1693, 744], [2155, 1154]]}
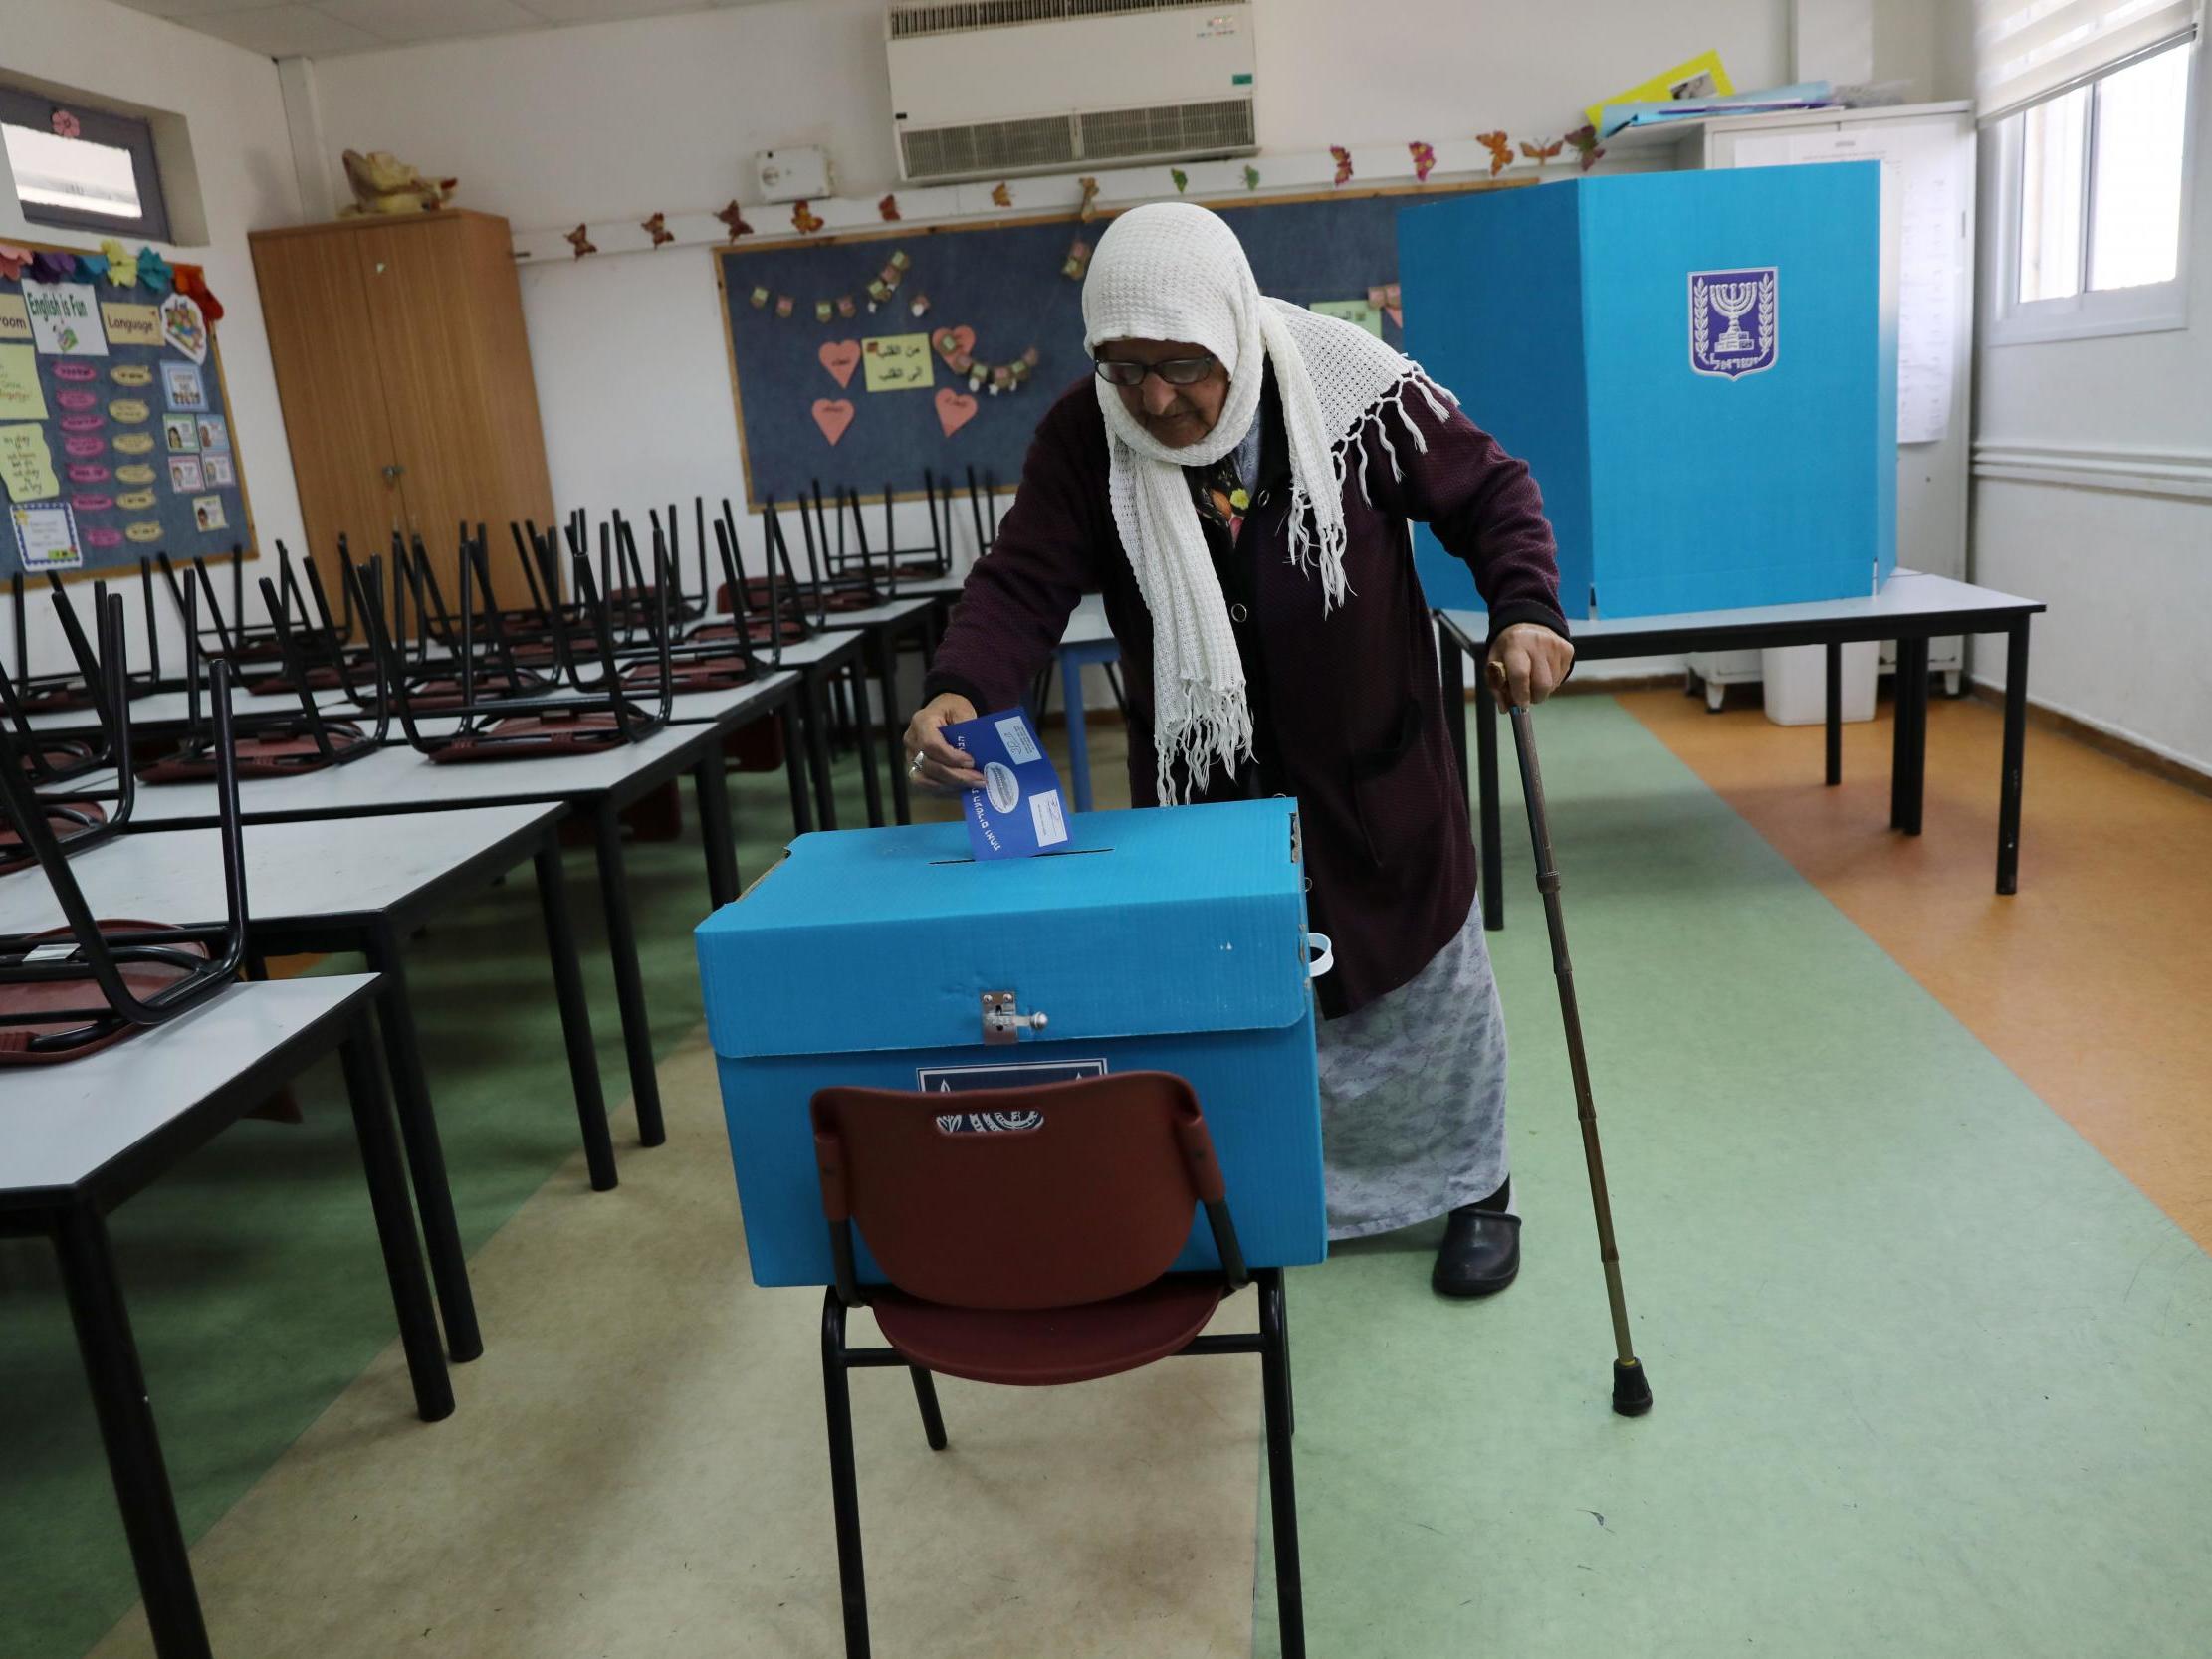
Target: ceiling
{"points": [[322, 28]]}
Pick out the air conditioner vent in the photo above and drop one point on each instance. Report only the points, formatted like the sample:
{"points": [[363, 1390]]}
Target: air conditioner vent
{"points": [[988, 147], [1180, 129], [912, 22]]}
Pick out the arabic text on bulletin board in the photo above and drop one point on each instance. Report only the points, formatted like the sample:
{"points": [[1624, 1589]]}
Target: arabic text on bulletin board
{"points": [[116, 436], [840, 380]]}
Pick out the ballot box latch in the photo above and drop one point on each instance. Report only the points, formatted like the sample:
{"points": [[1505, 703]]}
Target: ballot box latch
{"points": [[1002, 1024]]}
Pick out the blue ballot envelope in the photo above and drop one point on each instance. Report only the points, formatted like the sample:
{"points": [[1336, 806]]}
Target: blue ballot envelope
{"points": [[1165, 940]]}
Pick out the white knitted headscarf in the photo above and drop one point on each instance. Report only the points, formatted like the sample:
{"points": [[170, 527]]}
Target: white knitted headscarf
{"points": [[1173, 271]]}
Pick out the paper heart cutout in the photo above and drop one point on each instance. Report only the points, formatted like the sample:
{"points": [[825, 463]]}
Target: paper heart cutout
{"points": [[964, 340], [840, 358], [834, 415], [954, 409]]}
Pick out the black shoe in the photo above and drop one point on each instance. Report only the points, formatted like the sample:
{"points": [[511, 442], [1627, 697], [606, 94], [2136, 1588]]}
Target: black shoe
{"points": [[1480, 1253]]}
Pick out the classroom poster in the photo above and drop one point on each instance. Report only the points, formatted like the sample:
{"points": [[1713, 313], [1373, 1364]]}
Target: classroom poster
{"points": [[183, 389], [207, 513], [130, 325], [184, 327], [214, 432], [15, 322], [897, 363], [46, 537], [1363, 312], [185, 475], [65, 322], [180, 435], [27, 465], [21, 398], [218, 472]]}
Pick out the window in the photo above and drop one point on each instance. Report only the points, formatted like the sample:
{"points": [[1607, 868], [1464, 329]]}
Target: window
{"points": [[2095, 198], [83, 168]]}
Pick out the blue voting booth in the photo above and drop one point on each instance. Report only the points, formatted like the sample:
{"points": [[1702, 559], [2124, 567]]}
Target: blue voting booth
{"points": [[1158, 940], [1697, 366]]}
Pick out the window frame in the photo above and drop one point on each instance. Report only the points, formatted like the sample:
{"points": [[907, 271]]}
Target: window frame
{"points": [[21, 107], [2151, 308]]}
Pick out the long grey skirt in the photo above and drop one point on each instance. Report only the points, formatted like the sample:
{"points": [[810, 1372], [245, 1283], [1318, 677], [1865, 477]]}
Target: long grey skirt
{"points": [[1413, 1095]]}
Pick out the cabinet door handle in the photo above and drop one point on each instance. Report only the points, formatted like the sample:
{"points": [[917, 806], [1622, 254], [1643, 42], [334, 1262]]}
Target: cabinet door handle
{"points": [[392, 472]]}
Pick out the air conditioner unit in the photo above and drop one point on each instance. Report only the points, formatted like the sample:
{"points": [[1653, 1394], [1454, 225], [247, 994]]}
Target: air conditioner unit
{"points": [[989, 89]]}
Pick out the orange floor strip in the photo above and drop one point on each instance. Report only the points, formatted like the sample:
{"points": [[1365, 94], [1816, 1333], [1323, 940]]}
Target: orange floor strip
{"points": [[2094, 982]]}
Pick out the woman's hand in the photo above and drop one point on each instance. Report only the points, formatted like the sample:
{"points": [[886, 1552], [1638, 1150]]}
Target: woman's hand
{"points": [[931, 762], [1527, 663]]}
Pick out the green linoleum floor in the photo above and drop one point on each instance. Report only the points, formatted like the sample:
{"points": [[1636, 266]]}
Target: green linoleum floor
{"points": [[251, 1270], [1930, 1373]]}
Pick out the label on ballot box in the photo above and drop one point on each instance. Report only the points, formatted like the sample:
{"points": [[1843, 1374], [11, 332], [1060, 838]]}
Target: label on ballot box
{"points": [[1017, 812]]}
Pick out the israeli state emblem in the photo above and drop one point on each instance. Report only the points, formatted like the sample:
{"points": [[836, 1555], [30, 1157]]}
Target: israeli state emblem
{"points": [[1734, 321]]}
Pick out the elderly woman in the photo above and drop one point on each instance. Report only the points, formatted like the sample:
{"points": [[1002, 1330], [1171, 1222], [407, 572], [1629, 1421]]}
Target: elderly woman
{"points": [[1237, 483]]}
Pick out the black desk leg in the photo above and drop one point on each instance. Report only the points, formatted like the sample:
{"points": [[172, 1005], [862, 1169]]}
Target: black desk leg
{"points": [[1485, 765], [795, 768], [1451, 674], [817, 747], [711, 777], [2016, 757], [418, 1129], [1834, 713], [576, 1016], [864, 732], [1917, 752], [395, 1226], [629, 984], [1900, 733], [126, 1430], [887, 677]]}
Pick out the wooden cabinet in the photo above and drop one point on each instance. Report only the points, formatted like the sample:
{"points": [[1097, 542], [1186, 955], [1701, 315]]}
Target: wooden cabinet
{"points": [[408, 397]]}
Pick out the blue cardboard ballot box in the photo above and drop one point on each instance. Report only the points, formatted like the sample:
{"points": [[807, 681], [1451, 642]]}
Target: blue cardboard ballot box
{"points": [[1167, 939], [1699, 367]]}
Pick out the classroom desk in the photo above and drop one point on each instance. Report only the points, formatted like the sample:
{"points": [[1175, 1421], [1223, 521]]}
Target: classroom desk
{"points": [[882, 625], [367, 885], [1086, 639], [597, 787], [818, 659], [162, 714], [1912, 608], [77, 1139]]}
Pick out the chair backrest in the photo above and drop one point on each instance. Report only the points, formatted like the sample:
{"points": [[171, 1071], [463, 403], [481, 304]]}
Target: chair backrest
{"points": [[1022, 1199]]}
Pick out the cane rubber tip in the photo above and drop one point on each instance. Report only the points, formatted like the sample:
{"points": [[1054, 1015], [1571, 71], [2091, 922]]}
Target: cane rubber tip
{"points": [[1632, 1389]]}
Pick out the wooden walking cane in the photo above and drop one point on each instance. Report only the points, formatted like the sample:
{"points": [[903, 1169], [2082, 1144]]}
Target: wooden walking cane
{"points": [[1632, 1389]]}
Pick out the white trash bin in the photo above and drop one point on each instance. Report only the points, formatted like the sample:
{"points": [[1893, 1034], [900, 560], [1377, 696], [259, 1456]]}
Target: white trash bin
{"points": [[1796, 683]]}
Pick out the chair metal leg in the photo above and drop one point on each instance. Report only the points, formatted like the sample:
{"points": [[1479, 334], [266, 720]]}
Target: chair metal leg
{"points": [[844, 1485], [925, 1397], [1274, 1360], [711, 782], [865, 737]]}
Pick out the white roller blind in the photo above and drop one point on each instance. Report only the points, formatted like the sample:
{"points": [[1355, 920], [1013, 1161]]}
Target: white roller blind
{"points": [[2029, 49]]}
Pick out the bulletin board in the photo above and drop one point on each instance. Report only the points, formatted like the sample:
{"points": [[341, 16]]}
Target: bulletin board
{"points": [[870, 394], [116, 436]]}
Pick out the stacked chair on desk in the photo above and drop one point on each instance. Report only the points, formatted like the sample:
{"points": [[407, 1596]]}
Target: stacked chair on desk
{"points": [[90, 984], [48, 763], [40, 694], [601, 714], [272, 744]]}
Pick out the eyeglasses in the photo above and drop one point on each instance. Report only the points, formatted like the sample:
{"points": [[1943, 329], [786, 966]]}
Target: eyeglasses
{"points": [[1176, 371]]}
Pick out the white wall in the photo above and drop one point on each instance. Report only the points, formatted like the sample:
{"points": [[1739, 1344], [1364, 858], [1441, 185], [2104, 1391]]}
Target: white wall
{"points": [[2125, 570], [617, 120], [229, 100]]}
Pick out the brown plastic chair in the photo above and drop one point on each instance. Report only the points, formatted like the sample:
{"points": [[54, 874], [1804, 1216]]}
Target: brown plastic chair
{"points": [[1032, 1253]]}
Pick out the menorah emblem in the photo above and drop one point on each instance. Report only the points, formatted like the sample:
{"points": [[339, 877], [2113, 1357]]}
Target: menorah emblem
{"points": [[1744, 308]]}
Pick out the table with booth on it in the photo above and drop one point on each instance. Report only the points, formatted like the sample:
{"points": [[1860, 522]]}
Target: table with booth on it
{"points": [[1912, 608]]}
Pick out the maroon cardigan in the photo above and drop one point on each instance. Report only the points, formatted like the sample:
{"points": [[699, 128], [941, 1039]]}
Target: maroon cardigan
{"points": [[1351, 701]]}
